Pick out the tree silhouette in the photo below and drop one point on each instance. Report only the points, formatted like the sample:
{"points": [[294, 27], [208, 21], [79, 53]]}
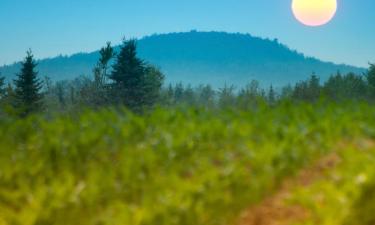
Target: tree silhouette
{"points": [[371, 79], [2, 86], [128, 77], [28, 86]]}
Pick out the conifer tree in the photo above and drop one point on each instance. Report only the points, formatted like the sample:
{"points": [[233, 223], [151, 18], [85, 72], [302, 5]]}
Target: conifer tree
{"points": [[206, 96], [179, 93], [169, 96], [371, 80], [152, 86], [227, 96], [314, 88], [271, 95], [2, 86], [128, 77], [100, 71], [97, 91], [27, 87]]}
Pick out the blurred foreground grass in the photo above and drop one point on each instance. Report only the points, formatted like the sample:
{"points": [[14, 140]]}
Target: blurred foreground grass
{"points": [[172, 166]]}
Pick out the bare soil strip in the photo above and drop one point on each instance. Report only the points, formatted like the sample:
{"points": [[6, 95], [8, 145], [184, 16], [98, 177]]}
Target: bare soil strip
{"points": [[275, 210]]}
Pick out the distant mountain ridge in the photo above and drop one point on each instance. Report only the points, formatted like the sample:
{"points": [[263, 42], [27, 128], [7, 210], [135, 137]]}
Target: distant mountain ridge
{"points": [[215, 58]]}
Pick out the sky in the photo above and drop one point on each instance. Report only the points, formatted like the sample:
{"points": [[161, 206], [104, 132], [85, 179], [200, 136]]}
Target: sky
{"points": [[54, 27]]}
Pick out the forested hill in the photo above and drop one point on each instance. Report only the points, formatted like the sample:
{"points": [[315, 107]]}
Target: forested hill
{"points": [[205, 57]]}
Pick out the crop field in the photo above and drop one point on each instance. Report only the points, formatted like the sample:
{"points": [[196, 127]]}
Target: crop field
{"points": [[284, 164]]}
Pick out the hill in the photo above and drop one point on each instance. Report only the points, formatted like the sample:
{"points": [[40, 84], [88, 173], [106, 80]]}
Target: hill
{"points": [[205, 57]]}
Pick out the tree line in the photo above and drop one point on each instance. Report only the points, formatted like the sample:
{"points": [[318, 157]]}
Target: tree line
{"points": [[123, 79], [128, 81]]}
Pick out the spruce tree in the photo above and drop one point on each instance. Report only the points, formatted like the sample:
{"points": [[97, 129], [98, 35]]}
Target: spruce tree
{"points": [[179, 91], [128, 77], [271, 95], [371, 80], [100, 71], [227, 98], [28, 86], [97, 91], [314, 88], [2, 86], [152, 86]]}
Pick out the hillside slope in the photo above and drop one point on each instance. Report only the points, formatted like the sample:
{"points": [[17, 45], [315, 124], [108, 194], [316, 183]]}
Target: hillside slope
{"points": [[205, 57]]}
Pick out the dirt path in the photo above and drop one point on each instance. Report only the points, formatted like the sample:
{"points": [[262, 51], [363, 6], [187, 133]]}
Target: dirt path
{"points": [[275, 211]]}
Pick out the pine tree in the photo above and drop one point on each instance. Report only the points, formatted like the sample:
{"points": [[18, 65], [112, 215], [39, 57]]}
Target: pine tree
{"points": [[97, 91], [371, 80], [314, 88], [100, 71], [286, 92], [271, 95], [206, 96], [170, 95], [227, 97], [179, 93], [152, 86], [128, 77], [333, 87], [28, 86], [2, 86]]}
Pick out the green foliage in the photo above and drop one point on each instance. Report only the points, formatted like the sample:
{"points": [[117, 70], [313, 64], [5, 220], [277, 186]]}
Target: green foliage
{"points": [[371, 79], [344, 192], [347, 87], [227, 97], [28, 87], [98, 89], [250, 95], [271, 95], [2, 87], [128, 77], [106, 55], [152, 87], [170, 166], [308, 90], [363, 209], [206, 96]]}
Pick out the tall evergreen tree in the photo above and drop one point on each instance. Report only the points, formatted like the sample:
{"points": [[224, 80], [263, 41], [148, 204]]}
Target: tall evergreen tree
{"points": [[271, 95], [97, 91], [206, 96], [286, 92], [2, 86], [371, 80], [179, 91], [107, 53], [314, 88], [333, 87], [170, 95], [128, 77], [345, 87], [250, 95], [300, 91], [307, 90], [152, 86], [227, 96], [28, 86]]}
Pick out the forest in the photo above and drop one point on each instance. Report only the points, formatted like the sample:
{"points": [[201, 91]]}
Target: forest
{"points": [[120, 146]]}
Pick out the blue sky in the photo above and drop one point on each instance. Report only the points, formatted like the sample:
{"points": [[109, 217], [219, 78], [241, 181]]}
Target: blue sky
{"points": [[52, 27]]}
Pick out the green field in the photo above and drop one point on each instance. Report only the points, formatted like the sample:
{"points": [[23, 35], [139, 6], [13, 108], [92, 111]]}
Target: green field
{"points": [[185, 167]]}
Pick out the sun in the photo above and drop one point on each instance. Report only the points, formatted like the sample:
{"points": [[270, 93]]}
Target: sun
{"points": [[314, 12]]}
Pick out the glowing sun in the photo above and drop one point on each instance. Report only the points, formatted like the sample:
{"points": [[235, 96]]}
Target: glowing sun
{"points": [[314, 12]]}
